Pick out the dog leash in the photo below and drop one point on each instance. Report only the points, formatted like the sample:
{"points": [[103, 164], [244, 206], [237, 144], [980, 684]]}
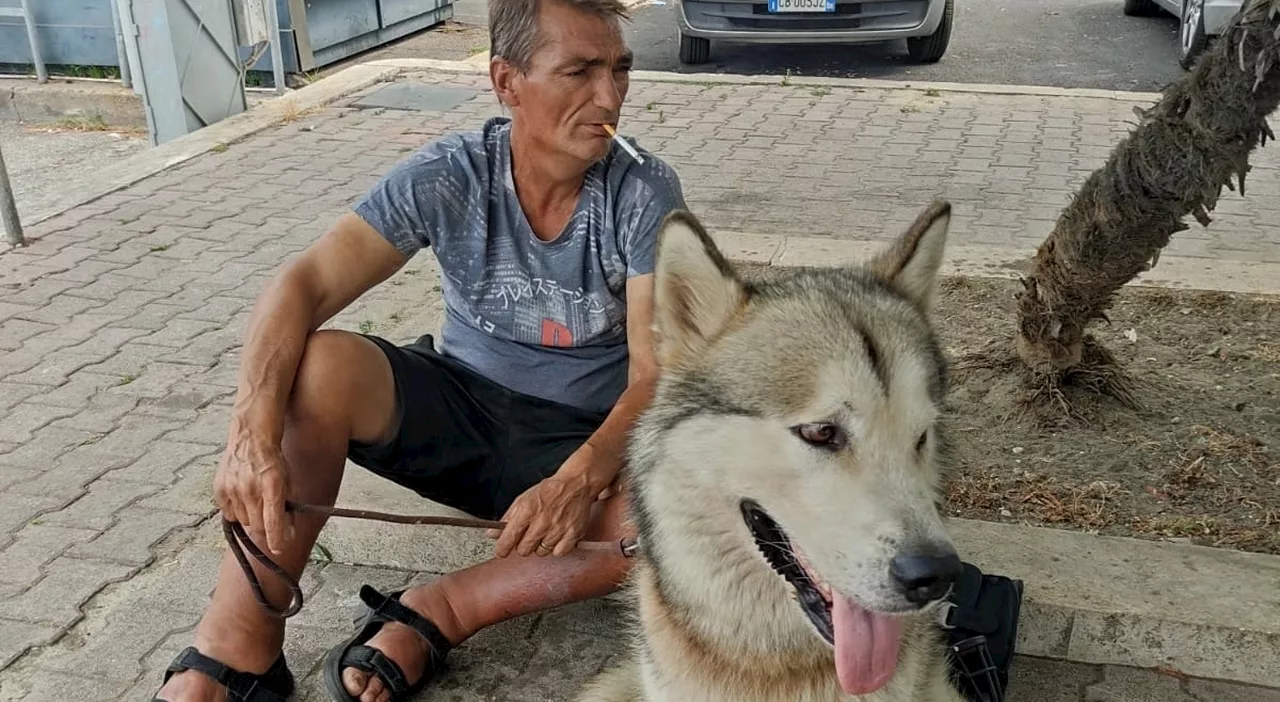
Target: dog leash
{"points": [[240, 542]]}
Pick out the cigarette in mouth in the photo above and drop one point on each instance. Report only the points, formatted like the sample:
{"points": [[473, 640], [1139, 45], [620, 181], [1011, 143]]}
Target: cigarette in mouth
{"points": [[623, 143]]}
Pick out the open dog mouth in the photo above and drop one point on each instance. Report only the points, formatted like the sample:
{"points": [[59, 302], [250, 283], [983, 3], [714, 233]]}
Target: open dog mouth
{"points": [[813, 595], [866, 642]]}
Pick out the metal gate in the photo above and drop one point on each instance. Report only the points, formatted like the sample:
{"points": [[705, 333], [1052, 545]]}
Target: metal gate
{"points": [[191, 73]]}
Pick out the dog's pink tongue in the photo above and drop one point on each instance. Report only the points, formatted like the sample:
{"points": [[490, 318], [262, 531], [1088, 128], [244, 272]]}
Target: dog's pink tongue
{"points": [[866, 646]]}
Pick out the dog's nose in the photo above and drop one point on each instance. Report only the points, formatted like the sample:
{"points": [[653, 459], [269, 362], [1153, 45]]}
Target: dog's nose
{"points": [[925, 575]]}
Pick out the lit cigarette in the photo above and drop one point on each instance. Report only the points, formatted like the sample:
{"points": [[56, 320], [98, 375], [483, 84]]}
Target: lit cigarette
{"points": [[623, 143]]}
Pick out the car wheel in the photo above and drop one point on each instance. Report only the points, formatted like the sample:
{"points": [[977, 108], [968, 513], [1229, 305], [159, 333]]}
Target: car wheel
{"points": [[694, 49], [1141, 8], [931, 48], [1191, 37]]}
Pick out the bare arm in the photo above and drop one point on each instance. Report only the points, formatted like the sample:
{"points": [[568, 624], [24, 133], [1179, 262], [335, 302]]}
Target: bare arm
{"points": [[600, 459], [554, 513], [348, 260]]}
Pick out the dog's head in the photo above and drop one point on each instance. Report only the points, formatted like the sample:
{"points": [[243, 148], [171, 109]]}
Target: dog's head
{"points": [[810, 402]]}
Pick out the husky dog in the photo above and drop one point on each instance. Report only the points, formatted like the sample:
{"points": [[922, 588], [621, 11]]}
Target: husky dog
{"points": [[784, 483]]}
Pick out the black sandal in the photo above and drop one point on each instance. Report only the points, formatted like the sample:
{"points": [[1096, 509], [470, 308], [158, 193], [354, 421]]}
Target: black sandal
{"points": [[275, 685], [352, 653]]}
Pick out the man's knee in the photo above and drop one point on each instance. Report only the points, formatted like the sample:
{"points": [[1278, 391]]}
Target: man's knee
{"points": [[344, 381]]}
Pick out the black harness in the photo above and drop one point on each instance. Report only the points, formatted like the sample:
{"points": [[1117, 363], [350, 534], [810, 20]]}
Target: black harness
{"points": [[981, 623]]}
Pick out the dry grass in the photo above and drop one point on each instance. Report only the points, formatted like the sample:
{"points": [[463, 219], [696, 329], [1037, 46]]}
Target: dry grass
{"points": [[1267, 351], [290, 111], [1039, 498]]}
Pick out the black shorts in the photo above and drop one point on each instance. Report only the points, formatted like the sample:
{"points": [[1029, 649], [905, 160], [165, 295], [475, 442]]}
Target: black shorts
{"points": [[464, 440]]}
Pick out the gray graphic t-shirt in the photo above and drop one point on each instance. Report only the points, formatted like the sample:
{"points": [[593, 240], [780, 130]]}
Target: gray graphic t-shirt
{"points": [[543, 318]]}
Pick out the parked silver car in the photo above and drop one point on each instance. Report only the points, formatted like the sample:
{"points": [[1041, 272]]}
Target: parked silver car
{"points": [[925, 24], [1199, 20]]}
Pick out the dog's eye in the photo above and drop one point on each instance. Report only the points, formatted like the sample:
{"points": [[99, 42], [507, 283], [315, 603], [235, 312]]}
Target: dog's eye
{"points": [[821, 434], [924, 438]]}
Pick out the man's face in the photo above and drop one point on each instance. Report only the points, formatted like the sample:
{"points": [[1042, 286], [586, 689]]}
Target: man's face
{"points": [[577, 80]]}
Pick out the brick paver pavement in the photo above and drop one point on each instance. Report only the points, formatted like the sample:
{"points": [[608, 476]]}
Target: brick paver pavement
{"points": [[119, 331]]}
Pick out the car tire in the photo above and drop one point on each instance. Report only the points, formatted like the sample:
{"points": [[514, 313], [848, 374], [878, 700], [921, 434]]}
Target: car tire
{"points": [[931, 48], [1192, 39], [1141, 8], [694, 49]]}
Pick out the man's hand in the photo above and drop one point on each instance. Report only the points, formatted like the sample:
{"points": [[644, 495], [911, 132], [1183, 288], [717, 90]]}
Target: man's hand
{"points": [[549, 518], [251, 484]]}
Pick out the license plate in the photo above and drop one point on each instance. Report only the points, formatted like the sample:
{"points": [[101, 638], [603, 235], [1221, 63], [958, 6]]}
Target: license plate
{"points": [[802, 5]]}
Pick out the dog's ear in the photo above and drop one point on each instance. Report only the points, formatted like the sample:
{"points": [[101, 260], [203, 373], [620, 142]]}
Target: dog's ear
{"points": [[696, 291], [910, 265]]}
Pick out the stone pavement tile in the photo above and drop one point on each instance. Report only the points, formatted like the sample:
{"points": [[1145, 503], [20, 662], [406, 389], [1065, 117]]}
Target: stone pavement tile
{"points": [[153, 380], [66, 478], [101, 504], [161, 463], [22, 561], [191, 492], [562, 665], [14, 394], [209, 427], [68, 583], [99, 415], [136, 531], [17, 637], [18, 510], [79, 329], [9, 310], [128, 360], [59, 687], [78, 391], [1047, 680], [54, 368], [1216, 691], [16, 332], [129, 440], [9, 474], [114, 647], [1136, 685], [22, 420], [125, 627]]}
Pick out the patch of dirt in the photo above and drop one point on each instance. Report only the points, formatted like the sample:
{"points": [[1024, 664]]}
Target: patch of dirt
{"points": [[1198, 462]]}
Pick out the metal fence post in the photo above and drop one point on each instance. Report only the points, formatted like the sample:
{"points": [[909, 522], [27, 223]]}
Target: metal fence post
{"points": [[42, 76], [277, 52], [9, 208], [122, 56]]}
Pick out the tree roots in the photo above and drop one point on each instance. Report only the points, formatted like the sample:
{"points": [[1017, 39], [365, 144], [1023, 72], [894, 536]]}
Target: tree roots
{"points": [[1055, 395]]}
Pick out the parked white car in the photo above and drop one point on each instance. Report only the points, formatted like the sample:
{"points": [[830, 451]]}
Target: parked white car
{"points": [[924, 24], [1199, 20]]}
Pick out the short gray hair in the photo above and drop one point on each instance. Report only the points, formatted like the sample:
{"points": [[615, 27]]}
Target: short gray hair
{"points": [[513, 25]]}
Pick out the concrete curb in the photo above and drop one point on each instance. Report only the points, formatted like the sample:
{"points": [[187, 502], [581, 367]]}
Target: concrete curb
{"points": [[112, 103], [1176, 272], [473, 65], [1206, 612]]}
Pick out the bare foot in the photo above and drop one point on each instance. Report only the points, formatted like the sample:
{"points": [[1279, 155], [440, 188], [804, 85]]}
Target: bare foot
{"points": [[403, 645]]}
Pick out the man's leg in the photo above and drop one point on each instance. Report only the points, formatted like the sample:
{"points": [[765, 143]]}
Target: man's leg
{"points": [[343, 390], [465, 601]]}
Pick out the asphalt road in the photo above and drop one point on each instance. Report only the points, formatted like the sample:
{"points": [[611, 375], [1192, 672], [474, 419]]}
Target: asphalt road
{"points": [[1063, 43]]}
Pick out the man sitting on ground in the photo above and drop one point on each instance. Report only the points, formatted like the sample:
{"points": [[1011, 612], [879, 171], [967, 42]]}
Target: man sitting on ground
{"points": [[545, 232]]}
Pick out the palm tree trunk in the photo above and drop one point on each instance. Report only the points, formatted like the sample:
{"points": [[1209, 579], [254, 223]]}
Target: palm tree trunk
{"points": [[1175, 162]]}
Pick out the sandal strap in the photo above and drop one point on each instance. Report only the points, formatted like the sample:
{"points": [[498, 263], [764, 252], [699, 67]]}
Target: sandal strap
{"points": [[389, 607], [372, 660], [275, 685]]}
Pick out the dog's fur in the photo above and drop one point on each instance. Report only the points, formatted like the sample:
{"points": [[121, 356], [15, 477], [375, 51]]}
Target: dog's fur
{"points": [[744, 362]]}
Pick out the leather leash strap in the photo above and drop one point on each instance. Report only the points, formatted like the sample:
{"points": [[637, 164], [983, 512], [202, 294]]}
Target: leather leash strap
{"points": [[239, 542]]}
